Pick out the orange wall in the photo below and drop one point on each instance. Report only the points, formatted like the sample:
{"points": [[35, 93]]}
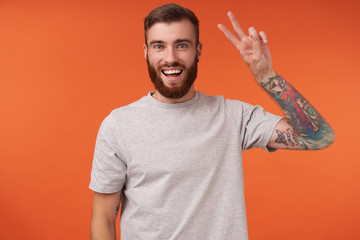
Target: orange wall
{"points": [[64, 65]]}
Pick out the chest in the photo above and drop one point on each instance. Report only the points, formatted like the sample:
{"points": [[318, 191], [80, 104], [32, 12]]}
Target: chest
{"points": [[179, 148]]}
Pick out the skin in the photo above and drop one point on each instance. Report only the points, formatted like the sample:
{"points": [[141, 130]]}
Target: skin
{"points": [[104, 212], [303, 127]]}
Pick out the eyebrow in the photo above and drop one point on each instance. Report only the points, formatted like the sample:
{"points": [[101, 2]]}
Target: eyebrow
{"points": [[183, 40], [156, 42], [176, 41]]}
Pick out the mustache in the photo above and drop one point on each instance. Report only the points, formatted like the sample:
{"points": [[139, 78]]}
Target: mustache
{"points": [[174, 64]]}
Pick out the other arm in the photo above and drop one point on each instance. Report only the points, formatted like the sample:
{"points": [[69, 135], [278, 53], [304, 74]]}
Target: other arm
{"points": [[303, 127], [104, 213]]}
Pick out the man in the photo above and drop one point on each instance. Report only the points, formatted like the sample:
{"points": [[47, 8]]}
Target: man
{"points": [[173, 158]]}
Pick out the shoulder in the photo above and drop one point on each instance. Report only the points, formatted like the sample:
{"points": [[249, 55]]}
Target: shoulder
{"points": [[127, 110], [221, 100], [231, 105], [237, 107], [122, 114]]}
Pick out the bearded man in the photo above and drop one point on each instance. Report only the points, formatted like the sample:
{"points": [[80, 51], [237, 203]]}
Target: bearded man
{"points": [[173, 158]]}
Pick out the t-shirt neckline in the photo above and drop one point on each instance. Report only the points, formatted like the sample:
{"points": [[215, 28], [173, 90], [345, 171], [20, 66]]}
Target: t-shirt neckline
{"points": [[157, 103]]}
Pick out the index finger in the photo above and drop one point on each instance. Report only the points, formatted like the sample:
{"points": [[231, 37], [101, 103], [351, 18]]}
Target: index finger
{"points": [[238, 30], [229, 35]]}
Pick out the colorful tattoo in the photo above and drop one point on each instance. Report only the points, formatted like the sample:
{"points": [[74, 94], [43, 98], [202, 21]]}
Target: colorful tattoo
{"points": [[311, 131]]}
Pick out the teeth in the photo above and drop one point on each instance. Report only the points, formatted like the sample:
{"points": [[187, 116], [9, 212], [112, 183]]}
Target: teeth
{"points": [[175, 71]]}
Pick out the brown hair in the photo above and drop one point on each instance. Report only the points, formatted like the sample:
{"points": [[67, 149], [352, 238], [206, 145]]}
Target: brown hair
{"points": [[171, 13]]}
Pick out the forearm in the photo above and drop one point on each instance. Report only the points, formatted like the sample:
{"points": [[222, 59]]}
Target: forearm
{"points": [[102, 229], [309, 129]]}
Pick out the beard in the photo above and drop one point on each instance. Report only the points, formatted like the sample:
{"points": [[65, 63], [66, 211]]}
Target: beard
{"points": [[174, 92]]}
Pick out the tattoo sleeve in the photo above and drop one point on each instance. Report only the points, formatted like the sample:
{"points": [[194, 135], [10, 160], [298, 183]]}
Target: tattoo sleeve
{"points": [[310, 130]]}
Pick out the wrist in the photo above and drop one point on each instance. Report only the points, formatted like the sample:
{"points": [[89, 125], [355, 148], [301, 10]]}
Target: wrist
{"points": [[265, 76]]}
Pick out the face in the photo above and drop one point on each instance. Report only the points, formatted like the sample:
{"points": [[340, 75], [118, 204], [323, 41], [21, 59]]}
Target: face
{"points": [[171, 54]]}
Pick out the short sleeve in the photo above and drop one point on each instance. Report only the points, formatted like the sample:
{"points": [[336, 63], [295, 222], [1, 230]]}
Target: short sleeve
{"points": [[255, 124], [108, 170], [258, 128]]}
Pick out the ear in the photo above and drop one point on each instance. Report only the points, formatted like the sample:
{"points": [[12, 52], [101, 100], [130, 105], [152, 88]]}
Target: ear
{"points": [[145, 51], [199, 50]]}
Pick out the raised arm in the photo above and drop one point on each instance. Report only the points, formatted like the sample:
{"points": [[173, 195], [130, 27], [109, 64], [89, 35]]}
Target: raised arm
{"points": [[303, 127], [104, 213]]}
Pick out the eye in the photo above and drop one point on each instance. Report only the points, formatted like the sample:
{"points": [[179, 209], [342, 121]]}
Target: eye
{"points": [[182, 45], [158, 46]]}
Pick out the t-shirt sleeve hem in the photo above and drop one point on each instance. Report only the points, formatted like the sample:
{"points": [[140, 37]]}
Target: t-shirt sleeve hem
{"points": [[101, 189]]}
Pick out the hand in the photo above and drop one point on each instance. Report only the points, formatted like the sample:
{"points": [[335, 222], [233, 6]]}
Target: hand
{"points": [[252, 48]]}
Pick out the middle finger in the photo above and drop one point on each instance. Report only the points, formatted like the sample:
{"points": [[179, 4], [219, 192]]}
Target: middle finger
{"points": [[238, 30]]}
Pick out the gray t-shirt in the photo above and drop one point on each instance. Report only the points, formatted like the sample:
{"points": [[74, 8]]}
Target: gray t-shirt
{"points": [[179, 166]]}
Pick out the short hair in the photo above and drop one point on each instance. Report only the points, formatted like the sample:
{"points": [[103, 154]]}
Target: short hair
{"points": [[171, 13]]}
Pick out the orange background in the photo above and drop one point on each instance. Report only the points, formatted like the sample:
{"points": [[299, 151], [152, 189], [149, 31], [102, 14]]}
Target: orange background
{"points": [[64, 65]]}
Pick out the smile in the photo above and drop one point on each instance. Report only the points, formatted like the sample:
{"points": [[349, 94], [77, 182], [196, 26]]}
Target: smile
{"points": [[172, 72]]}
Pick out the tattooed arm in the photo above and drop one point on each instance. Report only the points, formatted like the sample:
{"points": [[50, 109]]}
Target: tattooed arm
{"points": [[303, 127]]}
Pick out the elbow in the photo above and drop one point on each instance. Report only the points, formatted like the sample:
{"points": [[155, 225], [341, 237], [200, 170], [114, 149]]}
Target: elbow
{"points": [[328, 140], [102, 229], [332, 139], [329, 136]]}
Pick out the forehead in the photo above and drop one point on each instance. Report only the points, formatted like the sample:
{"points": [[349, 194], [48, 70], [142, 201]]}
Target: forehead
{"points": [[170, 32]]}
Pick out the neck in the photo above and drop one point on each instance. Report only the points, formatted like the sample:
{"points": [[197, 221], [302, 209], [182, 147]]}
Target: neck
{"points": [[189, 95]]}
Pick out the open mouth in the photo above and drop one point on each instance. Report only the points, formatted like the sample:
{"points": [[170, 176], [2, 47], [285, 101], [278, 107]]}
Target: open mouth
{"points": [[172, 73]]}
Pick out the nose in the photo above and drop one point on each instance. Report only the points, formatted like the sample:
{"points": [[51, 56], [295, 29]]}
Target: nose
{"points": [[171, 56]]}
